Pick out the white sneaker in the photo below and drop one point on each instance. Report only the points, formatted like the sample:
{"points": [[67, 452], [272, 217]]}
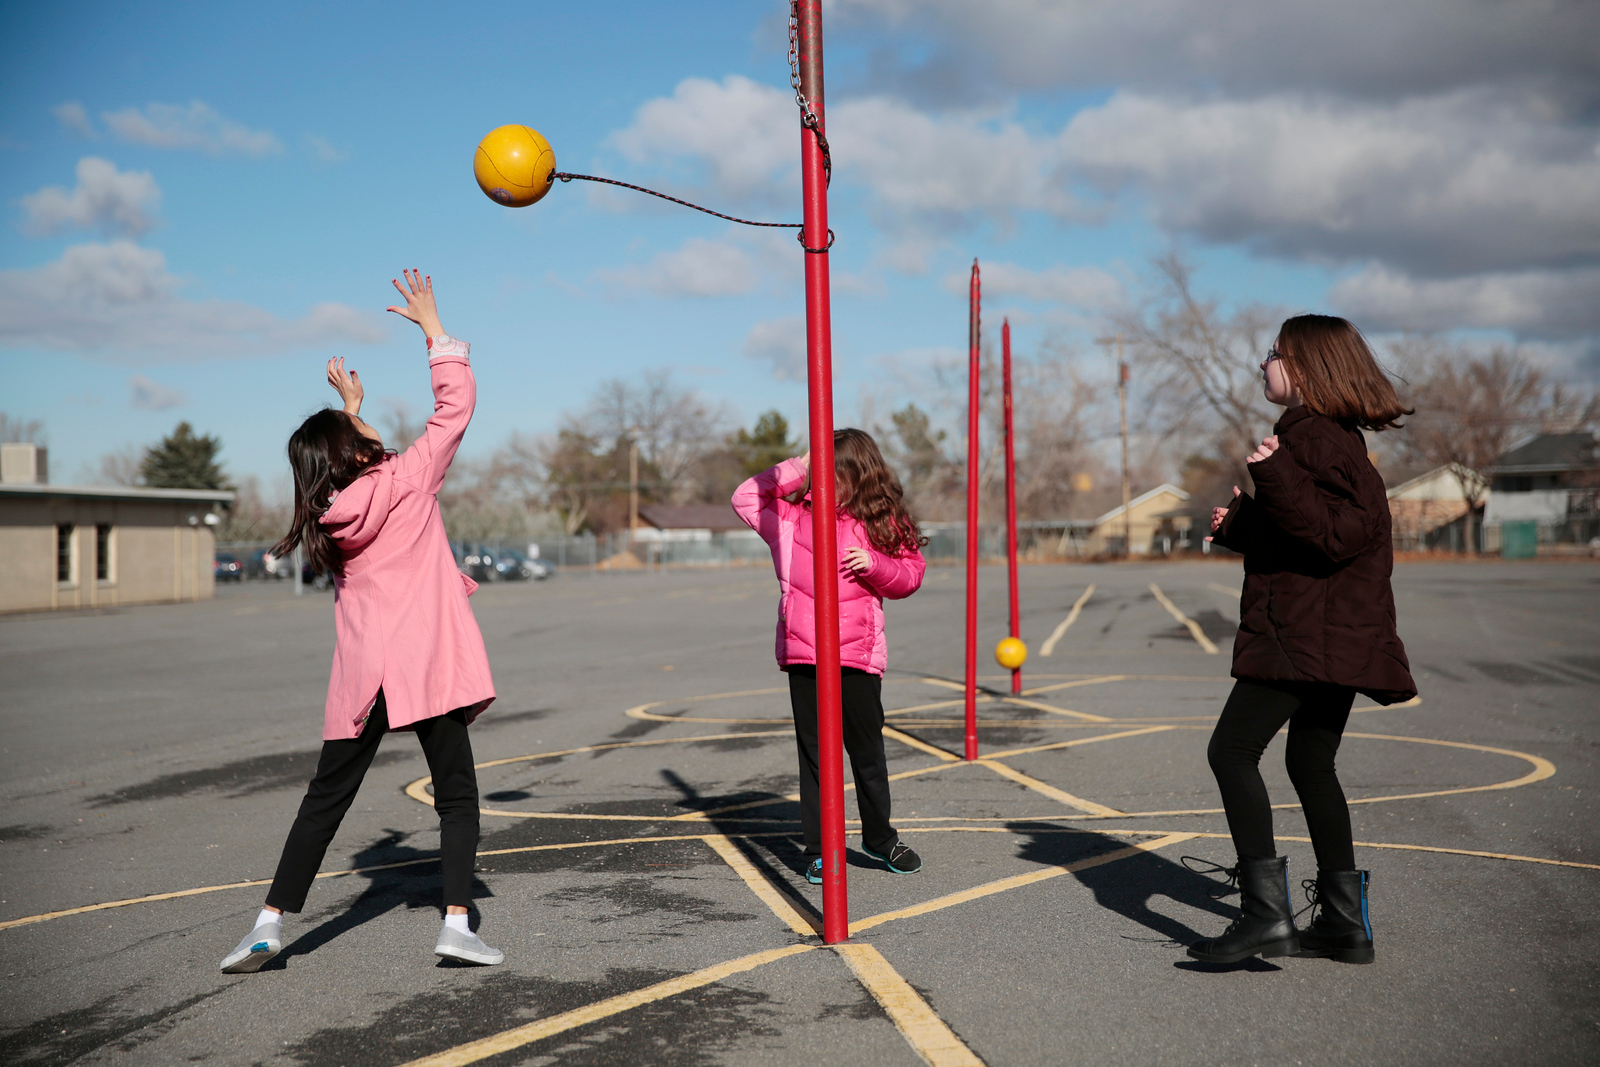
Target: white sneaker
{"points": [[264, 942], [466, 947]]}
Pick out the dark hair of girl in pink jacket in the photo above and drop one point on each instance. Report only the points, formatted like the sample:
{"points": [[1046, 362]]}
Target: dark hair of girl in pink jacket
{"points": [[879, 557]]}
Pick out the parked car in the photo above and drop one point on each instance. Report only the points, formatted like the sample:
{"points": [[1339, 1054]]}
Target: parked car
{"points": [[228, 568], [263, 564], [484, 563]]}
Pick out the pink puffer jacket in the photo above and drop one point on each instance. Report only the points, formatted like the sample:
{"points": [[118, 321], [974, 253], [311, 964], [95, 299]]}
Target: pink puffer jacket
{"points": [[786, 528]]}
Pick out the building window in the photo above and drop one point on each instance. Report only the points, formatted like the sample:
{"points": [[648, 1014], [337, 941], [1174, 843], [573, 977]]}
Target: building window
{"points": [[64, 552], [102, 552]]}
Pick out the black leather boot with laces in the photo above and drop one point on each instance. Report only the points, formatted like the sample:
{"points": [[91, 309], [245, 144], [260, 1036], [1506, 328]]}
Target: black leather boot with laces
{"points": [[1265, 926], [1341, 929]]}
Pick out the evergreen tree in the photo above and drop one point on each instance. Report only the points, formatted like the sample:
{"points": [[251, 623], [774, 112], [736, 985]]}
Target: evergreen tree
{"points": [[184, 461], [765, 446]]}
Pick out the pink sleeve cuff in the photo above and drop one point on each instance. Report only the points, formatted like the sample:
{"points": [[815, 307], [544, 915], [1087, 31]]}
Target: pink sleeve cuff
{"points": [[446, 347]]}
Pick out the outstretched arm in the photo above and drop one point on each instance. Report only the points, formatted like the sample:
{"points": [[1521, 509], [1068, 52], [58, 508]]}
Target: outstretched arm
{"points": [[455, 392]]}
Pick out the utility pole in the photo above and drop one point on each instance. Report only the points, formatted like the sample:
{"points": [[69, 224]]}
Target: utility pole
{"points": [[633, 482], [1127, 495]]}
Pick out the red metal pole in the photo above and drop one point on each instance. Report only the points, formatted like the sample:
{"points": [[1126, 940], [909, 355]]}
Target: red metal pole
{"points": [[974, 306], [1011, 500], [825, 551]]}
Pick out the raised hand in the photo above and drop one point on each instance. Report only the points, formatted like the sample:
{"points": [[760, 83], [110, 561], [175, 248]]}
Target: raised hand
{"points": [[805, 460], [420, 307], [1269, 445], [858, 559], [347, 385], [1218, 514]]}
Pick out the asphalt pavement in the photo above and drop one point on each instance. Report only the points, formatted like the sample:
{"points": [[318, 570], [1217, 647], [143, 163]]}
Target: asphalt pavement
{"points": [[639, 862]]}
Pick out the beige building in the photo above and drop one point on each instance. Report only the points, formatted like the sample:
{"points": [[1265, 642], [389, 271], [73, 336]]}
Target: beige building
{"points": [[92, 546], [1156, 525]]}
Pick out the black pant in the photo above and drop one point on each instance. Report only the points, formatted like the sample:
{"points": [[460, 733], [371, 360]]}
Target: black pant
{"points": [[862, 697], [339, 773], [1316, 714]]}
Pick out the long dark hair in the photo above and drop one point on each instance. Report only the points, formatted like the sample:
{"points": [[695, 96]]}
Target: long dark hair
{"points": [[326, 454], [1330, 364], [869, 492]]}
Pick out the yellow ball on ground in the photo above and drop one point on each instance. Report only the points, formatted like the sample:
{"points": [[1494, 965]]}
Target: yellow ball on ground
{"points": [[514, 166], [1011, 653]]}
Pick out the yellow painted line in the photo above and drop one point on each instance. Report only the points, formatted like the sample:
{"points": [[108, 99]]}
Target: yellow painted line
{"points": [[1413, 702], [945, 683], [923, 1030], [1194, 627], [919, 745], [1078, 741], [1049, 646], [1083, 716], [517, 1037], [1476, 854], [1004, 884], [1101, 680], [417, 790], [1048, 790], [1237, 594], [927, 707], [762, 887]]}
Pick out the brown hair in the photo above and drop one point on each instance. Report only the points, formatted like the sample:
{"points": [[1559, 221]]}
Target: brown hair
{"points": [[1332, 368], [868, 491], [326, 454]]}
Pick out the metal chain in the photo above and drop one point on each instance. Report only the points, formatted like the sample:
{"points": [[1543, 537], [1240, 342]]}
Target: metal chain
{"points": [[626, 185], [808, 117]]}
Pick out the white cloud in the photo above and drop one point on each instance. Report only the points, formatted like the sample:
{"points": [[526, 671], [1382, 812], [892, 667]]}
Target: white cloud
{"points": [[72, 115], [117, 202], [196, 126], [1540, 304], [737, 134], [147, 395], [119, 297], [1371, 49], [782, 343], [697, 268], [1448, 185], [1090, 289], [322, 149]]}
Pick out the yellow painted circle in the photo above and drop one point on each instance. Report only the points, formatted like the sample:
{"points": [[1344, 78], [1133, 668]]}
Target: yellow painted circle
{"points": [[514, 165]]}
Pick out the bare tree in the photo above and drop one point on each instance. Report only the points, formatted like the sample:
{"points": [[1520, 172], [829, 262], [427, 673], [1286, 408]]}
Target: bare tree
{"points": [[123, 467], [675, 427], [13, 430], [1474, 404], [1199, 369]]}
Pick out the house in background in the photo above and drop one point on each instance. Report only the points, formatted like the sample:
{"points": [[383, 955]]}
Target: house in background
{"points": [[1545, 488], [696, 534], [1429, 511], [1157, 524], [95, 546]]}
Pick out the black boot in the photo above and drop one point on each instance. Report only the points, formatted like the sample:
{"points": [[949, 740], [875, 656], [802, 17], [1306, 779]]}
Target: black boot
{"points": [[1341, 929], [1265, 925]]}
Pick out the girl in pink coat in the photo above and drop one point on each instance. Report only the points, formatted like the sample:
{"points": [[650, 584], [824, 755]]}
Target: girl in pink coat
{"points": [[880, 556], [407, 651]]}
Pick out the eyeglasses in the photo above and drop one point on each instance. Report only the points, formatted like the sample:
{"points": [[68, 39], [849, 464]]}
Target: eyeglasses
{"points": [[1272, 354]]}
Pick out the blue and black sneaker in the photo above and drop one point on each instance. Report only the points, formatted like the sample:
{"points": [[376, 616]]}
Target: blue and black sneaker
{"points": [[900, 859], [814, 871]]}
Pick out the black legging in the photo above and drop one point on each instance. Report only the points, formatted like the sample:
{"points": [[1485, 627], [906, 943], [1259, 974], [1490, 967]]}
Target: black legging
{"points": [[339, 773], [1316, 714], [862, 697]]}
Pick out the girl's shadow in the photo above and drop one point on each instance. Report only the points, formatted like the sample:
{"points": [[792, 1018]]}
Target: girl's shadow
{"points": [[1128, 886], [417, 886]]}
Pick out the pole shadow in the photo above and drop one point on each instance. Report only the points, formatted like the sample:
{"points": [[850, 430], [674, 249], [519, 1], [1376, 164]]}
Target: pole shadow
{"points": [[1129, 885]]}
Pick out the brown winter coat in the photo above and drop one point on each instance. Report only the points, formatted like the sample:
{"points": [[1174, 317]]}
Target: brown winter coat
{"points": [[1317, 606]]}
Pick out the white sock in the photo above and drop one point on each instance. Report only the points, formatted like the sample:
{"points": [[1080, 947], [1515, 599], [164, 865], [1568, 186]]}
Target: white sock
{"points": [[457, 922], [268, 916]]}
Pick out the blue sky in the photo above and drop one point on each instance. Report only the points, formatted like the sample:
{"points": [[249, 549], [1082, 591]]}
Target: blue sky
{"points": [[235, 185]]}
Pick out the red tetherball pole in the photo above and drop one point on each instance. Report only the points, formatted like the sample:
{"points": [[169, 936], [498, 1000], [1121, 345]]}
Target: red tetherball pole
{"points": [[1011, 500], [825, 550], [974, 302]]}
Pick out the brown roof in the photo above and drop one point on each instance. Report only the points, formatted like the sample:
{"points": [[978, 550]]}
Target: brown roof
{"points": [[691, 517]]}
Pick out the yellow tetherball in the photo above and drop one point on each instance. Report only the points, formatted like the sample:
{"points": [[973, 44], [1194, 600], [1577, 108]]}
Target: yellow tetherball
{"points": [[1011, 653], [514, 166]]}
